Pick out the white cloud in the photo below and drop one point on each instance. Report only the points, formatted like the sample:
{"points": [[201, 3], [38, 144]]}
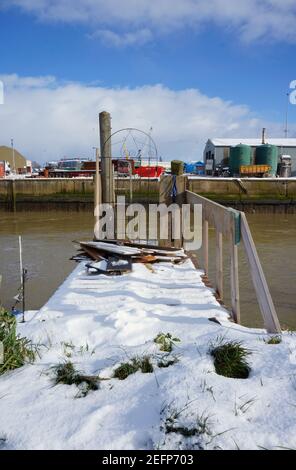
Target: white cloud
{"points": [[49, 119], [251, 19], [110, 38], [14, 81]]}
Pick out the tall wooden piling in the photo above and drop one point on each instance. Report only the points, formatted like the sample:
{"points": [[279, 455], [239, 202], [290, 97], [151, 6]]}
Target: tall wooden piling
{"points": [[106, 159]]}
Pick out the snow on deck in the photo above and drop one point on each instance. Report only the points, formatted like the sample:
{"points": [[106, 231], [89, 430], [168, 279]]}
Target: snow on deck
{"points": [[110, 320]]}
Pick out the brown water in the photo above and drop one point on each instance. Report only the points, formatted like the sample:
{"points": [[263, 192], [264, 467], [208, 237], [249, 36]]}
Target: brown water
{"points": [[275, 239], [47, 245], [47, 249]]}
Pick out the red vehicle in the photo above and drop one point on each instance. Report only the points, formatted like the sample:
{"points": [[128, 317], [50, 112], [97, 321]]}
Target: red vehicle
{"points": [[149, 171], [127, 167]]}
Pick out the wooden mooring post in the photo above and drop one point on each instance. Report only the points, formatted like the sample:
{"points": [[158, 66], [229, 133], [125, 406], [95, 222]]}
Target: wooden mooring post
{"points": [[107, 179]]}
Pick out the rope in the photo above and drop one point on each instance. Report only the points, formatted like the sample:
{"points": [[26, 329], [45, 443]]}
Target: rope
{"points": [[174, 189]]}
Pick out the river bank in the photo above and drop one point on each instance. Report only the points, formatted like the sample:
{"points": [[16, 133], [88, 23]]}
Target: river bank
{"points": [[63, 194]]}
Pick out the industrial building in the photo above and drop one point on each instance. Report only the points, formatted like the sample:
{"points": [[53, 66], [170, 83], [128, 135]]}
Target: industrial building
{"points": [[217, 151], [14, 160]]}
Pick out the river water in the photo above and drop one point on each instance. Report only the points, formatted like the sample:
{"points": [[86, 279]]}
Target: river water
{"points": [[47, 245]]}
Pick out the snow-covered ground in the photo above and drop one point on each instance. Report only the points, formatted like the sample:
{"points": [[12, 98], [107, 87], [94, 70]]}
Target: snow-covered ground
{"points": [[107, 321]]}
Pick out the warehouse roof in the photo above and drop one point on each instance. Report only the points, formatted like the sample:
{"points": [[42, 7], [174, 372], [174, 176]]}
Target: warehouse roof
{"points": [[280, 142]]}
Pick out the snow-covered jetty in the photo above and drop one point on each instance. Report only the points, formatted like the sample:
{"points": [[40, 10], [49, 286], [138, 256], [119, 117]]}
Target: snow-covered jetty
{"points": [[98, 323]]}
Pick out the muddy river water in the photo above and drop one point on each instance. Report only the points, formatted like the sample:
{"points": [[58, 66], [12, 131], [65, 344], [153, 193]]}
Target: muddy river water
{"points": [[47, 245]]}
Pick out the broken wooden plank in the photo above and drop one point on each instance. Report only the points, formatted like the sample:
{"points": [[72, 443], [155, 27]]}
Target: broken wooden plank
{"points": [[138, 245], [111, 248]]}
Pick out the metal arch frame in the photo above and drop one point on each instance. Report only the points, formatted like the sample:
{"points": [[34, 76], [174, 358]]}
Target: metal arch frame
{"points": [[134, 129]]}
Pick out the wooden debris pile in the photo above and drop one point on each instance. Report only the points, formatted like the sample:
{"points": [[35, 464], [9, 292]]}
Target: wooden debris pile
{"points": [[115, 257]]}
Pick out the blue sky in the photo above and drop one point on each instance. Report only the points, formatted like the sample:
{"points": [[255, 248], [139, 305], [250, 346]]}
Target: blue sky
{"points": [[225, 56]]}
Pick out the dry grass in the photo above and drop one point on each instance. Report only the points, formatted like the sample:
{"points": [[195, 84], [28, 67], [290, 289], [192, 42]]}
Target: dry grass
{"points": [[273, 340], [17, 350], [65, 373], [134, 365]]}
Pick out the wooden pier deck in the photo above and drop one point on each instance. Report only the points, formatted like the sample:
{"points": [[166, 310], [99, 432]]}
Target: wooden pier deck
{"points": [[156, 297], [99, 322]]}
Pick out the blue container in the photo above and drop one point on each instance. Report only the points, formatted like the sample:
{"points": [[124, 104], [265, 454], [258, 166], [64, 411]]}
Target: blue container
{"points": [[195, 168], [200, 168], [189, 168]]}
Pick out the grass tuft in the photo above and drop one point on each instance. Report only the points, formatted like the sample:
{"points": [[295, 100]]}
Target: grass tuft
{"points": [[65, 373], [230, 360], [69, 349], [134, 365], [17, 350], [273, 340], [167, 362], [145, 365], [166, 342], [124, 370], [201, 425]]}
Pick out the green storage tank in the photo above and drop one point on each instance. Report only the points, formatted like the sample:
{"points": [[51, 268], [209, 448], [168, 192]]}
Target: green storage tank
{"points": [[239, 155], [268, 154]]}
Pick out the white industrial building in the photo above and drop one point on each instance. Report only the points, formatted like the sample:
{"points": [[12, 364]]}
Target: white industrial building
{"points": [[217, 151]]}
